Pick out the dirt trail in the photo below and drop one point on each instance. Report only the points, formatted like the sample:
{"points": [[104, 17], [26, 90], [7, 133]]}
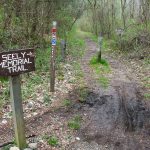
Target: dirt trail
{"points": [[117, 117]]}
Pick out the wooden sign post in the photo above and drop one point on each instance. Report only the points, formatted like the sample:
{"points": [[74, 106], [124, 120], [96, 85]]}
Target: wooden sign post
{"points": [[100, 42], [16, 100], [53, 57], [12, 64]]}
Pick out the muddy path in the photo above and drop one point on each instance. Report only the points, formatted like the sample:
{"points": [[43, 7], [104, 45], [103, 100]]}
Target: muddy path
{"points": [[118, 118]]}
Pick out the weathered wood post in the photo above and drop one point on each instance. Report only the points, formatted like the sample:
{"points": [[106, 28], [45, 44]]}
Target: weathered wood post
{"points": [[53, 57], [12, 64], [16, 100], [100, 42]]}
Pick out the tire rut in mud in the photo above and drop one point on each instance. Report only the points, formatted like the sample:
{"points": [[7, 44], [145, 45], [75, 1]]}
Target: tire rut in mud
{"points": [[118, 121]]}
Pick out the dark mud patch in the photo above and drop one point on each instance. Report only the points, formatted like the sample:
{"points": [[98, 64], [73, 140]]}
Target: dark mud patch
{"points": [[120, 121]]}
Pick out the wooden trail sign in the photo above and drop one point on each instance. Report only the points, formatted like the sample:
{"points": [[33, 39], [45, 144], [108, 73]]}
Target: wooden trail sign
{"points": [[12, 64], [16, 62], [53, 53]]}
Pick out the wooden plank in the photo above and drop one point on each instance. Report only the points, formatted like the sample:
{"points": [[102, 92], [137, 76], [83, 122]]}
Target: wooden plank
{"points": [[16, 100]]}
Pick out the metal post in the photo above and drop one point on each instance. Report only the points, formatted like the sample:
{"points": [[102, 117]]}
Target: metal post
{"points": [[16, 100], [53, 57]]}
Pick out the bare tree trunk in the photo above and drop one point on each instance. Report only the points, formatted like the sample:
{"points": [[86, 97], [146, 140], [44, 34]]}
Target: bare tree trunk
{"points": [[93, 6], [123, 7]]}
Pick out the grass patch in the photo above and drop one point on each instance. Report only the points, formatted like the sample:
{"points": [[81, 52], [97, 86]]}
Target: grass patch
{"points": [[33, 83], [75, 123], [5, 93], [147, 61], [42, 59], [82, 92], [66, 102], [146, 82], [53, 141], [147, 96], [78, 71], [76, 44], [83, 35], [36, 79], [147, 85], [7, 147], [147, 79], [77, 48], [47, 99], [101, 68], [94, 61], [104, 81]]}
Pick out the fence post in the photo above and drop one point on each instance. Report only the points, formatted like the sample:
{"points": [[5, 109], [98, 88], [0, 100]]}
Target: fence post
{"points": [[100, 42]]}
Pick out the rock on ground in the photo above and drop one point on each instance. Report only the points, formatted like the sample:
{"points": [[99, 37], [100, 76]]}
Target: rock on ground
{"points": [[33, 145], [14, 148]]}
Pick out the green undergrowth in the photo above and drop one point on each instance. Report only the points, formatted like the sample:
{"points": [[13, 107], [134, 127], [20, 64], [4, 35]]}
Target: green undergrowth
{"points": [[7, 147], [38, 81], [101, 68], [76, 44], [78, 71], [147, 96], [147, 61], [32, 82], [67, 102], [42, 60], [76, 49], [146, 82], [5, 93], [35, 82], [31, 85], [83, 93], [51, 140], [75, 123], [84, 35], [104, 81]]}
